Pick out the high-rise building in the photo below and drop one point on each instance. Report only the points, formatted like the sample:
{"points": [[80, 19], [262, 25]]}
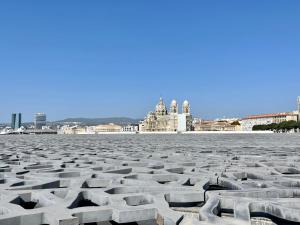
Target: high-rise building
{"points": [[13, 120], [40, 120], [19, 120], [16, 120]]}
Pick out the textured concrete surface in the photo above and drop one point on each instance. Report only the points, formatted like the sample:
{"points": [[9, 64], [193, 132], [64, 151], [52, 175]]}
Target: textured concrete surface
{"points": [[150, 179]]}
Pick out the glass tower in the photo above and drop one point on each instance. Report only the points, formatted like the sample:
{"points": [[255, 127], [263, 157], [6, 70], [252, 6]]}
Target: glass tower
{"points": [[13, 120], [16, 120], [19, 120]]}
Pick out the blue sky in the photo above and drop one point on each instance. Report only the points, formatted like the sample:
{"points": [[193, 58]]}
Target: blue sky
{"points": [[116, 58]]}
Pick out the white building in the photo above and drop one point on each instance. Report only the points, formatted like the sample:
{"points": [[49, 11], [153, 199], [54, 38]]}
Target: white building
{"points": [[130, 128], [264, 119]]}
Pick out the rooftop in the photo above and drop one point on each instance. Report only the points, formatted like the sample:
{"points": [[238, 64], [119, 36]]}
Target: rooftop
{"points": [[270, 115]]}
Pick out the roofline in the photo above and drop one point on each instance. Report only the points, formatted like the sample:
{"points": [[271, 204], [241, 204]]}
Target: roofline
{"points": [[269, 115]]}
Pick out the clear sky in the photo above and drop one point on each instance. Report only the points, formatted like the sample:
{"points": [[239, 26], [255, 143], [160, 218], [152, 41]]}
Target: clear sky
{"points": [[72, 58]]}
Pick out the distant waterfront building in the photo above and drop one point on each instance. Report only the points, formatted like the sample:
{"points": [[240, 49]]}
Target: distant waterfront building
{"points": [[214, 125], [16, 120], [229, 120], [103, 128], [163, 121], [76, 129], [40, 120], [264, 119], [130, 128]]}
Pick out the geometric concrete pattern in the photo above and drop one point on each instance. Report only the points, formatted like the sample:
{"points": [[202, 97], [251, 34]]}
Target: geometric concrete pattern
{"points": [[150, 179]]}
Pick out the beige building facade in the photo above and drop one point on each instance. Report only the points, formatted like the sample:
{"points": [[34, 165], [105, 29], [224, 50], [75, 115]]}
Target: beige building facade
{"points": [[103, 128], [211, 125]]}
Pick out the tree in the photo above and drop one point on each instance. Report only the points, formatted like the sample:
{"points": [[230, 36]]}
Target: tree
{"points": [[235, 123], [283, 126]]}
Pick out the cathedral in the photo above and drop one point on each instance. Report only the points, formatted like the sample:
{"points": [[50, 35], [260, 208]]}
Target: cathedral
{"points": [[163, 121]]}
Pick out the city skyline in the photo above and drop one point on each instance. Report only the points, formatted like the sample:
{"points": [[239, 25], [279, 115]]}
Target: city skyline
{"points": [[41, 117], [149, 112], [99, 59]]}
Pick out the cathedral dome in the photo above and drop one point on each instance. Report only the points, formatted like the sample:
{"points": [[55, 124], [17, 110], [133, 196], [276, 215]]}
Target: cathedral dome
{"points": [[174, 103], [161, 107], [173, 106], [186, 107], [186, 103]]}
